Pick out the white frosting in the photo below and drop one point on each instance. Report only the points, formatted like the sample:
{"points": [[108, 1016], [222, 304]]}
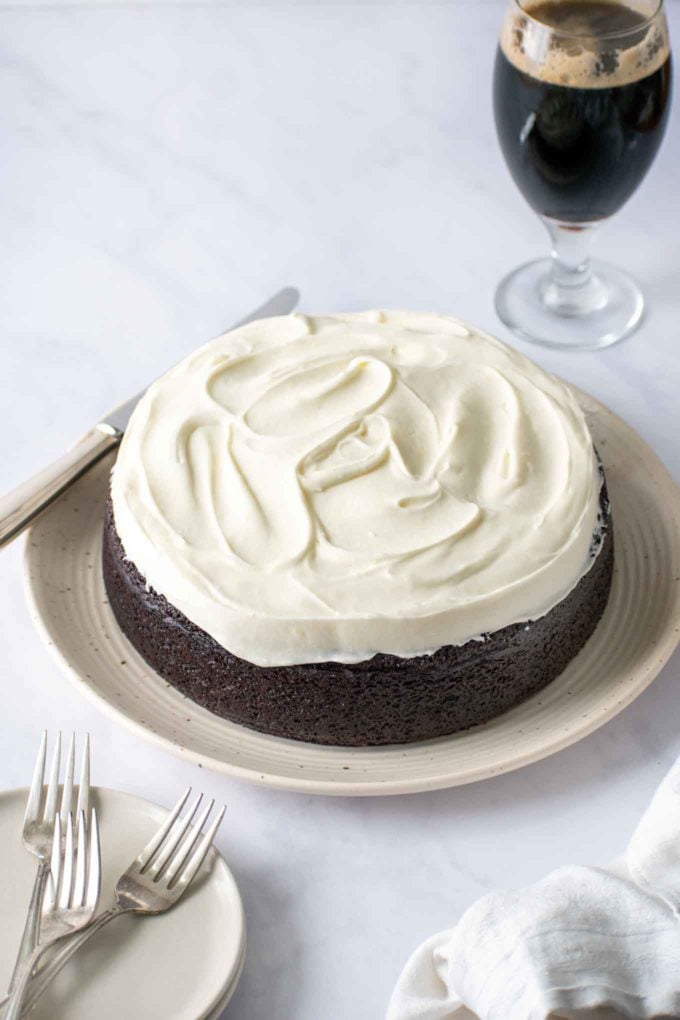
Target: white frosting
{"points": [[309, 489]]}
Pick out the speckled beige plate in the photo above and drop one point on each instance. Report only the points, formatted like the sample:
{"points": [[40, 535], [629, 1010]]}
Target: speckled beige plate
{"points": [[182, 965], [636, 636]]}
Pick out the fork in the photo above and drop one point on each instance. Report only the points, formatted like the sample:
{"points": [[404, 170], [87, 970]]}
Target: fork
{"points": [[155, 880], [38, 832], [70, 898]]}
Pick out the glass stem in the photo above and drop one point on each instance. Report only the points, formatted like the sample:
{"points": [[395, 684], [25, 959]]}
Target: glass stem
{"points": [[571, 288]]}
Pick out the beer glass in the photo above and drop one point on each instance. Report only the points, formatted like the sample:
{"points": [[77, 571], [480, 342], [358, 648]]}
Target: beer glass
{"points": [[581, 97]]}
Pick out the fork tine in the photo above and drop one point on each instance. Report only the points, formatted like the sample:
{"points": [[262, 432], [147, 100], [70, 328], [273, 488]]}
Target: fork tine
{"points": [[188, 873], [190, 841], [35, 795], [53, 787], [55, 860], [81, 863], [94, 864], [67, 788], [154, 843], [66, 884], [172, 841], [84, 784], [50, 895], [52, 884]]}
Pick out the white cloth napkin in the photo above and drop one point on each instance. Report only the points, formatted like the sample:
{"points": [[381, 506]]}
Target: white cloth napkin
{"points": [[595, 942]]}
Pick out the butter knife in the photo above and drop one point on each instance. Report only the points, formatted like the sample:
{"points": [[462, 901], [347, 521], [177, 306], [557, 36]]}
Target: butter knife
{"points": [[21, 506]]}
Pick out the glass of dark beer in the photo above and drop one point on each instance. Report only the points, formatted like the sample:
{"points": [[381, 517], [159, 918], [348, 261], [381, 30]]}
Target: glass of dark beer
{"points": [[581, 99]]}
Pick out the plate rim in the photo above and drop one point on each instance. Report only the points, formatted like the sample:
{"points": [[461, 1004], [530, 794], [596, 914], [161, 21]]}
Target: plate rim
{"points": [[654, 661], [214, 1008]]}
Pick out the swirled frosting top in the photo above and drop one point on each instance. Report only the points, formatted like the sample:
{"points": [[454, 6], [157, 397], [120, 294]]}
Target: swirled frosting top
{"points": [[325, 488]]}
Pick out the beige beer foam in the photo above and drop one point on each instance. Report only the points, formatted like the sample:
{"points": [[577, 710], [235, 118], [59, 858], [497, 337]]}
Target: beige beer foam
{"points": [[577, 62]]}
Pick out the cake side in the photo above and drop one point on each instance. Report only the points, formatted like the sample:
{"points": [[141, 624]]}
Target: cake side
{"points": [[383, 700]]}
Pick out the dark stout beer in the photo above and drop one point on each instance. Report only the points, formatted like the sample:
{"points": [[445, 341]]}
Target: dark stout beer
{"points": [[581, 113]]}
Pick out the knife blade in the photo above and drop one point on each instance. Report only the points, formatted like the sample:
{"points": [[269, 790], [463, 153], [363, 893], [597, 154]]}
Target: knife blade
{"points": [[281, 303], [21, 506]]}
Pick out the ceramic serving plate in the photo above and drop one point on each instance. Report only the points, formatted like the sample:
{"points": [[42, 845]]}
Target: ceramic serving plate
{"points": [[636, 636]]}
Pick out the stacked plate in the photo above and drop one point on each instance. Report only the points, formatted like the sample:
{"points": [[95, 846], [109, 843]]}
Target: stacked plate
{"points": [[181, 965]]}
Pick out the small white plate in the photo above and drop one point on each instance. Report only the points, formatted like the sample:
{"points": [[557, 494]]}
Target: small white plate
{"points": [[635, 637], [181, 965]]}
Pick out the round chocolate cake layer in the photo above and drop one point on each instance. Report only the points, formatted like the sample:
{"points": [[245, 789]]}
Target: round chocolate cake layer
{"points": [[384, 700]]}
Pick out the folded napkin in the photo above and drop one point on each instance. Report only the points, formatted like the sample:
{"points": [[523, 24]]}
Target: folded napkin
{"points": [[595, 942]]}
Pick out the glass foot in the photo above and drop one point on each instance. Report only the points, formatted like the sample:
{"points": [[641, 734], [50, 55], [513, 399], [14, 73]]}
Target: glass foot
{"points": [[606, 309]]}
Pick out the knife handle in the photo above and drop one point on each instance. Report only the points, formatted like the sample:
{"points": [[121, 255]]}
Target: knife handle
{"points": [[21, 506]]}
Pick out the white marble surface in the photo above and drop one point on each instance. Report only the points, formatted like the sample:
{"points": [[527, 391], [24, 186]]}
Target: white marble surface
{"points": [[164, 168]]}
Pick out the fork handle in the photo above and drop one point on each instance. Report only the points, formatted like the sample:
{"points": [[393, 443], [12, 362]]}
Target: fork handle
{"points": [[29, 939], [21, 506], [60, 956], [17, 1000]]}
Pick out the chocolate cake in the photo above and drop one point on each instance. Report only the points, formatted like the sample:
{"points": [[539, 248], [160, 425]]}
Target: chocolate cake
{"points": [[358, 530]]}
